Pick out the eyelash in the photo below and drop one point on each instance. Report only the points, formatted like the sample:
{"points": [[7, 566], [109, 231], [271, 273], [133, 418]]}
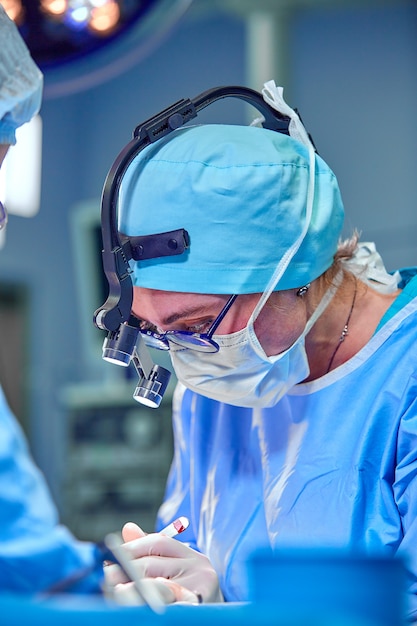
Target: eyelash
{"points": [[200, 328], [147, 326], [196, 328]]}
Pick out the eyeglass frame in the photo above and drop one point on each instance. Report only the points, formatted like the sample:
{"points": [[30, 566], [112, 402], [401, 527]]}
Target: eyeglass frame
{"points": [[161, 341]]}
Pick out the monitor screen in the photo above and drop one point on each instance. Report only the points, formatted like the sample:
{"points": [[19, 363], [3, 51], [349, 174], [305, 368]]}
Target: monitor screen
{"points": [[91, 285]]}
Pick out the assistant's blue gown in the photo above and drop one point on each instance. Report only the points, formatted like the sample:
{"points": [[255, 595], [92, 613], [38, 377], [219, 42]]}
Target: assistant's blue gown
{"points": [[35, 551], [334, 463]]}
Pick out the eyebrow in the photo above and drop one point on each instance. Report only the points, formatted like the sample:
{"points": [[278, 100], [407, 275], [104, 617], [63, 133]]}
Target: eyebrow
{"points": [[184, 314]]}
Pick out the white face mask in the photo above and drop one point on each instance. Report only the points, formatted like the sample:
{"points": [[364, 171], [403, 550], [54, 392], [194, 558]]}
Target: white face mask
{"points": [[240, 373]]}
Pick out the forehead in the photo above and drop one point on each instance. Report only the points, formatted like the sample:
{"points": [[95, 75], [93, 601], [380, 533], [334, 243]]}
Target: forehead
{"points": [[158, 306]]}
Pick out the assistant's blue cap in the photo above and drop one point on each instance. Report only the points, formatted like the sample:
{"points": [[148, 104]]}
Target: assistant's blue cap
{"points": [[240, 192]]}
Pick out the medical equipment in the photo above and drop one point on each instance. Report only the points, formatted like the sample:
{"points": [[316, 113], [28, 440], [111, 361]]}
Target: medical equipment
{"points": [[124, 343], [143, 591], [142, 594], [111, 551], [176, 527]]}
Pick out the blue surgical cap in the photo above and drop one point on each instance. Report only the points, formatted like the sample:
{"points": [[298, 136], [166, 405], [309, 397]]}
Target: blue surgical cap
{"points": [[21, 81], [240, 192]]}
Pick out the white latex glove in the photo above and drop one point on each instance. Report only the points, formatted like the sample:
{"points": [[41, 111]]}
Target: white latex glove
{"points": [[188, 574], [124, 593]]}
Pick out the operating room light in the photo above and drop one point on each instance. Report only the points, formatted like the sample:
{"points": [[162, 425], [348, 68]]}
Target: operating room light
{"points": [[59, 31], [79, 44], [54, 7], [14, 9], [78, 15], [98, 16], [105, 18]]}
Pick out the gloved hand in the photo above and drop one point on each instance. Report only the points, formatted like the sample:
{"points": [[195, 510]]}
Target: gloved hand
{"points": [[21, 81], [186, 573], [124, 593]]}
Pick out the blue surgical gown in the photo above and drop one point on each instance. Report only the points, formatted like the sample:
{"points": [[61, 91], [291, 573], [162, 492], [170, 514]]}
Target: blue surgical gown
{"points": [[36, 552], [334, 463]]}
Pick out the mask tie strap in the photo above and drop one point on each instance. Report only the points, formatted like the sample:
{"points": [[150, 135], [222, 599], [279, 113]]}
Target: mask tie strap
{"points": [[273, 95], [368, 266], [324, 302]]}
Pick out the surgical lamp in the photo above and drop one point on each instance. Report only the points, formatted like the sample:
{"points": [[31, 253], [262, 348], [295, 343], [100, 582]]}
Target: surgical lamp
{"points": [[124, 344]]}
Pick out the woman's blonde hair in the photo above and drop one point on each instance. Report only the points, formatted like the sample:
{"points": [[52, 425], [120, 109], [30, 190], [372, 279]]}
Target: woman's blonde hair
{"points": [[345, 251]]}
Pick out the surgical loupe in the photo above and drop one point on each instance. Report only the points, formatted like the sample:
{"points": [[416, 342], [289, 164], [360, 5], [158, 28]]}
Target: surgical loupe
{"points": [[124, 344]]}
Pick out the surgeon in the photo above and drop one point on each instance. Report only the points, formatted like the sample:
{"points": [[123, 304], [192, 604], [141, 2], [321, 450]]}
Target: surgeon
{"points": [[37, 554], [295, 416]]}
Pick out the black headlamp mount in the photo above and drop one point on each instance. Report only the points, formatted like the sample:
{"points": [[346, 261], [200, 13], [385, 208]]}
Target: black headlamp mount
{"points": [[118, 249]]}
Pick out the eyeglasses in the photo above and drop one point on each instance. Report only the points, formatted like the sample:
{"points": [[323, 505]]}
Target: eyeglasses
{"points": [[3, 216], [202, 342]]}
